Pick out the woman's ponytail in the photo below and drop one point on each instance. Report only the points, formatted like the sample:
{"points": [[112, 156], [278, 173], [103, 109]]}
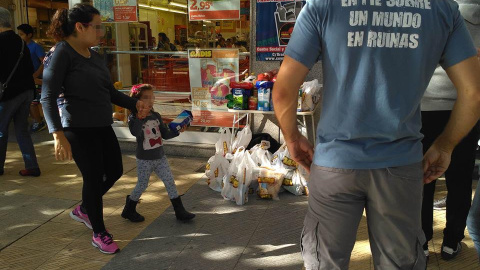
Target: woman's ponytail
{"points": [[58, 29], [64, 20]]}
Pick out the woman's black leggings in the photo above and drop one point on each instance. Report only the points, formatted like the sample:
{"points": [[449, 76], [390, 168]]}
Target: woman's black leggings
{"points": [[97, 154]]}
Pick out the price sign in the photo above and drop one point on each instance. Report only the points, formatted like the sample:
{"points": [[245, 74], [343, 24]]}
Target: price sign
{"points": [[117, 10], [199, 10], [201, 5]]}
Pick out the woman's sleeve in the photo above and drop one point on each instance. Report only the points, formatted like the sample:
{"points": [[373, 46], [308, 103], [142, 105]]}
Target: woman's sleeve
{"points": [[53, 76], [122, 100]]}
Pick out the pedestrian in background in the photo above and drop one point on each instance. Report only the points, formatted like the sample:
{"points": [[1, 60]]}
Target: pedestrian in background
{"points": [[25, 31], [19, 92], [437, 105]]}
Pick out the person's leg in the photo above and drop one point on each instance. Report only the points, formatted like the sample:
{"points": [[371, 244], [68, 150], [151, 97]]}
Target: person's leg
{"points": [[433, 123], [24, 140], [112, 158], [427, 209], [144, 170], [7, 108], [335, 206], [88, 155], [394, 217], [459, 185], [162, 169], [473, 221]]}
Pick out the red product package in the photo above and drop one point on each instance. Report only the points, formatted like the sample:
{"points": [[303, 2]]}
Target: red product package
{"points": [[243, 85]]}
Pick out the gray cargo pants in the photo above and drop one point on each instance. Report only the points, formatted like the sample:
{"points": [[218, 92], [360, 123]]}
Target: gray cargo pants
{"points": [[392, 198]]}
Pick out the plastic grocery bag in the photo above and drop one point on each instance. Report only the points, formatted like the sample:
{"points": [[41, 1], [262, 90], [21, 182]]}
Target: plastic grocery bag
{"points": [[240, 174], [260, 154], [281, 159], [245, 175], [224, 143], [295, 181], [311, 95], [217, 167], [269, 183], [242, 139]]}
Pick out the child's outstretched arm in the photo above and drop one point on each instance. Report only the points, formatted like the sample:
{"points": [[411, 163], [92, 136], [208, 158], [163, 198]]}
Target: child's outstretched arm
{"points": [[135, 125], [167, 133]]}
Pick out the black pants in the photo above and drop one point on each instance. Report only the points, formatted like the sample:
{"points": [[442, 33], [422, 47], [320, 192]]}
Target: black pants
{"points": [[97, 154], [458, 178]]}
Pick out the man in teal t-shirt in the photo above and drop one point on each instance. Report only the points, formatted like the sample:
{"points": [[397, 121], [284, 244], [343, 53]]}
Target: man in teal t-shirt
{"points": [[377, 57]]}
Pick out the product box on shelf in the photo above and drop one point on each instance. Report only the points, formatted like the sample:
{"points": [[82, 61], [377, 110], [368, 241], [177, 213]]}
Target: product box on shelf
{"points": [[264, 95], [183, 119]]}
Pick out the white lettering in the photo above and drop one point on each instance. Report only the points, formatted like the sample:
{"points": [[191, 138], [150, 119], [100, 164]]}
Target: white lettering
{"points": [[413, 41], [348, 3], [355, 39], [422, 4], [392, 40], [358, 18], [396, 19]]}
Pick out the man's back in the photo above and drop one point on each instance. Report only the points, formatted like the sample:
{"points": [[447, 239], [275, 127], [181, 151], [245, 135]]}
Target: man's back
{"points": [[378, 57]]}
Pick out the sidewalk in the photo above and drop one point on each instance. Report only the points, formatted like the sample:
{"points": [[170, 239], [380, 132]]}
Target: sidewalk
{"points": [[37, 232]]}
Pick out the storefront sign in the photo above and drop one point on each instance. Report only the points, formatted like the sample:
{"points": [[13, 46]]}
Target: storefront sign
{"points": [[275, 22], [210, 73], [117, 10], [199, 10]]}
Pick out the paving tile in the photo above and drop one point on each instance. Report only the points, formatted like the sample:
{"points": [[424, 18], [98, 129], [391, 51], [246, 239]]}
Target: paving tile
{"points": [[24, 258], [200, 255], [82, 248], [71, 263], [14, 228]]}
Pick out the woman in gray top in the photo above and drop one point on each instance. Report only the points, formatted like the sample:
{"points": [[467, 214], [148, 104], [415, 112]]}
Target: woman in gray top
{"points": [[82, 126]]}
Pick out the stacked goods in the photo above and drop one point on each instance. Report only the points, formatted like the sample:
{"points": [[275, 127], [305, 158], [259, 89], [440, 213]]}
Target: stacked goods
{"points": [[244, 96], [255, 93]]}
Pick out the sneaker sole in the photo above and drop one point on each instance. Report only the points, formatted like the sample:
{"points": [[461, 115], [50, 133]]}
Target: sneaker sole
{"points": [[80, 220], [103, 251]]}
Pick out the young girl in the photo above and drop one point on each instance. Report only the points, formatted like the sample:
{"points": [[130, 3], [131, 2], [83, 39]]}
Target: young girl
{"points": [[150, 133]]}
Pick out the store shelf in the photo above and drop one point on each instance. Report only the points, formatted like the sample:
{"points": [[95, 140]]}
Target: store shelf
{"points": [[267, 112]]}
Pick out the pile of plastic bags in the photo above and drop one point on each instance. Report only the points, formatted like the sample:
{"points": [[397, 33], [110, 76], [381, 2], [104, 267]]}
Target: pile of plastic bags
{"points": [[236, 172]]}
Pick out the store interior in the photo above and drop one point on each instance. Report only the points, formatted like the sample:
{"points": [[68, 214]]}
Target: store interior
{"points": [[156, 16]]}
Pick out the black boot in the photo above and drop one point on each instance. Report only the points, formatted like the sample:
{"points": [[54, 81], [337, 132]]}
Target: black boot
{"points": [[129, 211], [180, 211]]}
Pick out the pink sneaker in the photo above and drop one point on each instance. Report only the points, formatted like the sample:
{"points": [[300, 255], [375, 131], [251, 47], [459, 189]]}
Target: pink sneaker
{"points": [[77, 215], [104, 242]]}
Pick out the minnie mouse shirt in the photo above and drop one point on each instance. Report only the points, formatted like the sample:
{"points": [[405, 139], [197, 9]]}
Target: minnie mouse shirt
{"points": [[150, 133]]}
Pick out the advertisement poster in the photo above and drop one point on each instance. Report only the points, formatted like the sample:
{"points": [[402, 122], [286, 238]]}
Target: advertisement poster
{"points": [[210, 74], [117, 10], [275, 22], [199, 10]]}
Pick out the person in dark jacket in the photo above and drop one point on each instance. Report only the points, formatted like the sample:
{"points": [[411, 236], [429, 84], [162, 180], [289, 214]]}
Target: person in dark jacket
{"points": [[15, 103]]}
